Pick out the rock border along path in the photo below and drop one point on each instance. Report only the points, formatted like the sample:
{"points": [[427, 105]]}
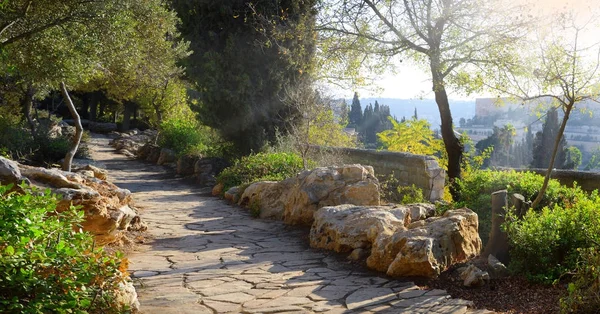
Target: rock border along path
{"points": [[210, 257]]}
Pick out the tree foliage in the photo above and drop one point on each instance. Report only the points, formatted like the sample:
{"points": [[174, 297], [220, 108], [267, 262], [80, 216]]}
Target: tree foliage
{"points": [[245, 53], [562, 67], [445, 37], [413, 136]]}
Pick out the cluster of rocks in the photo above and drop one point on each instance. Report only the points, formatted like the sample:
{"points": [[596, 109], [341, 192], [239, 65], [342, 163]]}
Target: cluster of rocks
{"points": [[107, 208], [141, 145], [342, 206]]}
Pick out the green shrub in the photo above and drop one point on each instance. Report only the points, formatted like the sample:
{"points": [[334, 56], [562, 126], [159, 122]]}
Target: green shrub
{"points": [[584, 291], [545, 245], [477, 187], [392, 192], [261, 167], [187, 137], [48, 267]]}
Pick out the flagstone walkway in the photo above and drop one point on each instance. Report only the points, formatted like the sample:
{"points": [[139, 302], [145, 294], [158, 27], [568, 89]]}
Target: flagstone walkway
{"points": [[210, 257]]}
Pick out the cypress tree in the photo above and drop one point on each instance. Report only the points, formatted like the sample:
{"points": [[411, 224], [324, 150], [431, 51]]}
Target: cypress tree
{"points": [[544, 144], [356, 114]]}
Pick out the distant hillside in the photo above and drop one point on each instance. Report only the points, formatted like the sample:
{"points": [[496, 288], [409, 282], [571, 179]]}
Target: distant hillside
{"points": [[426, 108]]}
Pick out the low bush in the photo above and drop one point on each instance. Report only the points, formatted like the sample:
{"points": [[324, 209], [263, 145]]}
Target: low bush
{"points": [[392, 192], [545, 245], [47, 265], [584, 292], [188, 137], [477, 187], [261, 167]]}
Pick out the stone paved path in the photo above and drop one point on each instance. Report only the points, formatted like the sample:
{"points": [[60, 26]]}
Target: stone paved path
{"points": [[209, 257]]}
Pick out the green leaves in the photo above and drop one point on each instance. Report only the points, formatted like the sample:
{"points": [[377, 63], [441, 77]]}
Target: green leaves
{"points": [[261, 167], [413, 136], [45, 266]]}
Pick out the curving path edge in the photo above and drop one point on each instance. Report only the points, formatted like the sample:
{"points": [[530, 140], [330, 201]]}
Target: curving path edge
{"points": [[210, 257]]}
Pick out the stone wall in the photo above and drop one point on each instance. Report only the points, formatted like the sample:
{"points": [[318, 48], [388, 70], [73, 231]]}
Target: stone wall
{"points": [[588, 181], [422, 171]]}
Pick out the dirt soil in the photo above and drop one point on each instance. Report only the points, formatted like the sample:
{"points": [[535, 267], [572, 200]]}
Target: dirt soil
{"points": [[508, 294]]}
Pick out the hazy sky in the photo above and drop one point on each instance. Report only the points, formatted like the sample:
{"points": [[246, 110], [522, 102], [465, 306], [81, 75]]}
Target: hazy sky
{"points": [[412, 82]]}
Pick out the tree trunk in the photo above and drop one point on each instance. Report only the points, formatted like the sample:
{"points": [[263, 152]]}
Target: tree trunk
{"points": [[66, 166], [159, 114], [127, 111], [559, 136], [27, 104], [94, 100], [454, 147]]}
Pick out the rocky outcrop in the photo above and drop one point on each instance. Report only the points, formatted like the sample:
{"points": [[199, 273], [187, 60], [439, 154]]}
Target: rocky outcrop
{"points": [[9, 172], [428, 246], [345, 228], [398, 245], [167, 156], [185, 165], [296, 200], [131, 142], [474, 277], [107, 207]]}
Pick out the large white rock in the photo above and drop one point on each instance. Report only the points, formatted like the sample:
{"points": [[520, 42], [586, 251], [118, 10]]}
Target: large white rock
{"points": [[344, 228], [331, 186], [296, 199], [9, 171], [429, 246], [106, 206]]}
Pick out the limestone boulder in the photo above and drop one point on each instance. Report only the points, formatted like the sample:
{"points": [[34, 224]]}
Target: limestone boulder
{"points": [[421, 211], [218, 189], [331, 186], [429, 246], [474, 277], [9, 171], [232, 195], [132, 141], [96, 172], [185, 165], [268, 197], [345, 228], [126, 296], [106, 207], [166, 156], [153, 154]]}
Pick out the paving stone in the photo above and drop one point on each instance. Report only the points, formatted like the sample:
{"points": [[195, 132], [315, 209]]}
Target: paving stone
{"points": [[209, 257], [369, 296], [407, 294], [236, 297], [222, 307]]}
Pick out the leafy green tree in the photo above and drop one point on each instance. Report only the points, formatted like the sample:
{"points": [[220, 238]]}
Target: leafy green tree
{"points": [[450, 39], [594, 162], [83, 44], [573, 158], [415, 137], [356, 112], [245, 53]]}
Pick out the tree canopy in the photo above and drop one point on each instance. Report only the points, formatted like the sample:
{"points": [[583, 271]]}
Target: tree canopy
{"points": [[245, 53], [444, 37]]}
